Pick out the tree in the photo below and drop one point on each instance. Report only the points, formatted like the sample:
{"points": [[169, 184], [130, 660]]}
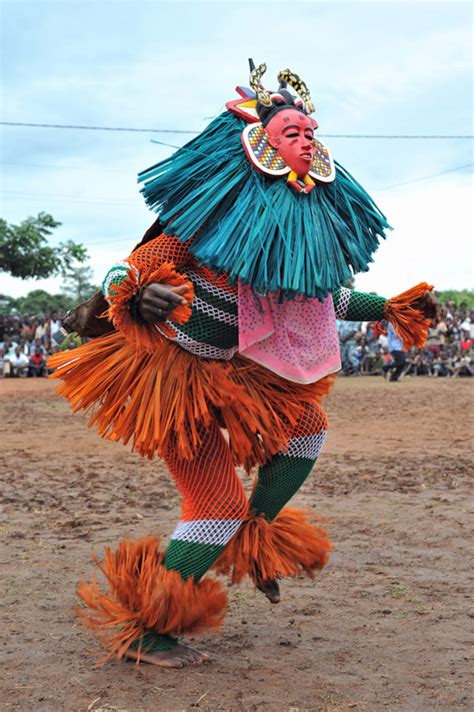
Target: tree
{"points": [[458, 296], [7, 304], [24, 251], [78, 284], [40, 302]]}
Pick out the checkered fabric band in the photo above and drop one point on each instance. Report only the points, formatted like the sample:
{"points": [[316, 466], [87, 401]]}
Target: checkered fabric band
{"points": [[307, 447], [206, 531], [210, 288], [341, 299], [115, 275], [199, 348]]}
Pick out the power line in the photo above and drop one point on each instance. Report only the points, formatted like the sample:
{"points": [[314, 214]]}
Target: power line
{"points": [[62, 167], [432, 175], [182, 131], [96, 128], [104, 200]]}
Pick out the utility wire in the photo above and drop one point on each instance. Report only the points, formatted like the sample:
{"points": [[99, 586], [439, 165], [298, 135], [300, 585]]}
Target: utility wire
{"points": [[182, 131], [95, 128], [432, 175], [103, 200]]}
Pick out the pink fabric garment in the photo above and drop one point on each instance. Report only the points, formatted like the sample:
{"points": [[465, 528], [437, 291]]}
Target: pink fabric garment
{"points": [[297, 339]]}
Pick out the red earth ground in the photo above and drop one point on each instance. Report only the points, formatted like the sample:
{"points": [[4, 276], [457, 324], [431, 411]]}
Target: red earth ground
{"points": [[386, 626]]}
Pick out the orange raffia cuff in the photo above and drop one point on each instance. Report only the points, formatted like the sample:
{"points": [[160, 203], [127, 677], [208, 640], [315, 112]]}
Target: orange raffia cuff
{"points": [[287, 546], [144, 596], [409, 322], [143, 335]]}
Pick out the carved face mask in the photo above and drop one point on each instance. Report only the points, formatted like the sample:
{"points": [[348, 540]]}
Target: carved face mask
{"points": [[279, 139], [291, 133]]}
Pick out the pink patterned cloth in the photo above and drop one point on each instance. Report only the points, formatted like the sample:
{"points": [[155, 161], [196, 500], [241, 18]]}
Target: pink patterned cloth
{"points": [[297, 339]]}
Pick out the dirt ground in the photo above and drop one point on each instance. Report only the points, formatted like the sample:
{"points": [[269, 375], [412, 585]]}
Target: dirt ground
{"points": [[386, 626]]}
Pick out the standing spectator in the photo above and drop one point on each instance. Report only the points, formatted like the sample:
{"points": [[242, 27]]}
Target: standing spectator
{"points": [[19, 364], [53, 326], [40, 331], [37, 365], [28, 331], [395, 346]]}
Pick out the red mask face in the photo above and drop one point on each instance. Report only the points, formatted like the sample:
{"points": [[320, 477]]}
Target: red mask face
{"points": [[291, 133]]}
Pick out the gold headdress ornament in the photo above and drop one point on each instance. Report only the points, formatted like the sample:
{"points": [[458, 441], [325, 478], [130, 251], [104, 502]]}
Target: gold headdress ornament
{"points": [[286, 76], [289, 77], [256, 73]]}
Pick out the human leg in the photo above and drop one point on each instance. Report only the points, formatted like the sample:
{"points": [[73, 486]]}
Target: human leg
{"points": [[214, 505], [274, 543], [163, 591], [399, 359], [281, 477]]}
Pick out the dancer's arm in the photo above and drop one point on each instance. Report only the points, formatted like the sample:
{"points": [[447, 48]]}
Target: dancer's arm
{"points": [[146, 259], [411, 312], [150, 287]]}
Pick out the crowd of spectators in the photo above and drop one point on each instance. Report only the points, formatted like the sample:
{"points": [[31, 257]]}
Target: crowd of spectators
{"points": [[27, 341], [370, 348], [367, 348]]}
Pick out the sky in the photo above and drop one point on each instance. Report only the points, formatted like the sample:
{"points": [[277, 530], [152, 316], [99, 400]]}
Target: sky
{"points": [[390, 68]]}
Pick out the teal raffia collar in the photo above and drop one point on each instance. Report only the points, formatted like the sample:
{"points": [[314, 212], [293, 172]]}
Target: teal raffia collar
{"points": [[253, 226]]}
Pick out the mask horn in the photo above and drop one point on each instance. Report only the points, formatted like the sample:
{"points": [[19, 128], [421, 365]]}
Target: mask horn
{"points": [[255, 76], [287, 76]]}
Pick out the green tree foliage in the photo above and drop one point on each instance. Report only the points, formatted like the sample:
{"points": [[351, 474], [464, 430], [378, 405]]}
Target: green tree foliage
{"points": [[78, 285], [7, 304], [458, 296], [24, 251], [40, 302]]}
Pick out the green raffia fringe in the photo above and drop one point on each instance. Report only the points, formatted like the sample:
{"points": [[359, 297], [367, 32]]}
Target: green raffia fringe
{"points": [[257, 228]]}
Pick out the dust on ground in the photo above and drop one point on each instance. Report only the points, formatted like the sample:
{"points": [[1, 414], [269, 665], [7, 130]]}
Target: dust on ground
{"points": [[386, 626]]}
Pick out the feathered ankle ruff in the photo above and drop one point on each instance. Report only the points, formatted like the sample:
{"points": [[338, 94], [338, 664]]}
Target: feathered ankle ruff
{"points": [[144, 596]]}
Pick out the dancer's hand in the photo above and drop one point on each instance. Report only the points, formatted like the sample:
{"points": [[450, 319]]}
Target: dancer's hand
{"points": [[430, 307], [157, 301]]}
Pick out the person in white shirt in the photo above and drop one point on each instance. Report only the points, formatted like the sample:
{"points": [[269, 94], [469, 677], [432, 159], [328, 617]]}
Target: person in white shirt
{"points": [[19, 363]]}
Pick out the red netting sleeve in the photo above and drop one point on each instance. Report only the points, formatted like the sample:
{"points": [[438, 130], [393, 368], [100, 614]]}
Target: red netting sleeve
{"points": [[164, 248]]}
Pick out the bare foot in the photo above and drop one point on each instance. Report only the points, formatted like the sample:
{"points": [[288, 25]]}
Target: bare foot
{"points": [[270, 588], [179, 657]]}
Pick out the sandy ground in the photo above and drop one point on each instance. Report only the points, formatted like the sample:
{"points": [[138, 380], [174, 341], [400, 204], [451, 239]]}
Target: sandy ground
{"points": [[386, 626]]}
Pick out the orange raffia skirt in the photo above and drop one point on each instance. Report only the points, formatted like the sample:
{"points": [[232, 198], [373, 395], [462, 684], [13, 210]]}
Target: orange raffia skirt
{"points": [[153, 400]]}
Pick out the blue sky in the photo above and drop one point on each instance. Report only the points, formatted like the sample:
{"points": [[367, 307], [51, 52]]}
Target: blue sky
{"points": [[372, 68]]}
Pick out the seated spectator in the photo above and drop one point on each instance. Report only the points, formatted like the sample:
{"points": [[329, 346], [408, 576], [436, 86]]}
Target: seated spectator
{"points": [[373, 362], [19, 363], [39, 344], [3, 362], [349, 333], [37, 366], [463, 363], [8, 345]]}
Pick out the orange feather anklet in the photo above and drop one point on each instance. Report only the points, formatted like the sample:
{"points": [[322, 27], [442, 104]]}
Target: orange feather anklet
{"points": [[144, 596], [287, 546]]}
